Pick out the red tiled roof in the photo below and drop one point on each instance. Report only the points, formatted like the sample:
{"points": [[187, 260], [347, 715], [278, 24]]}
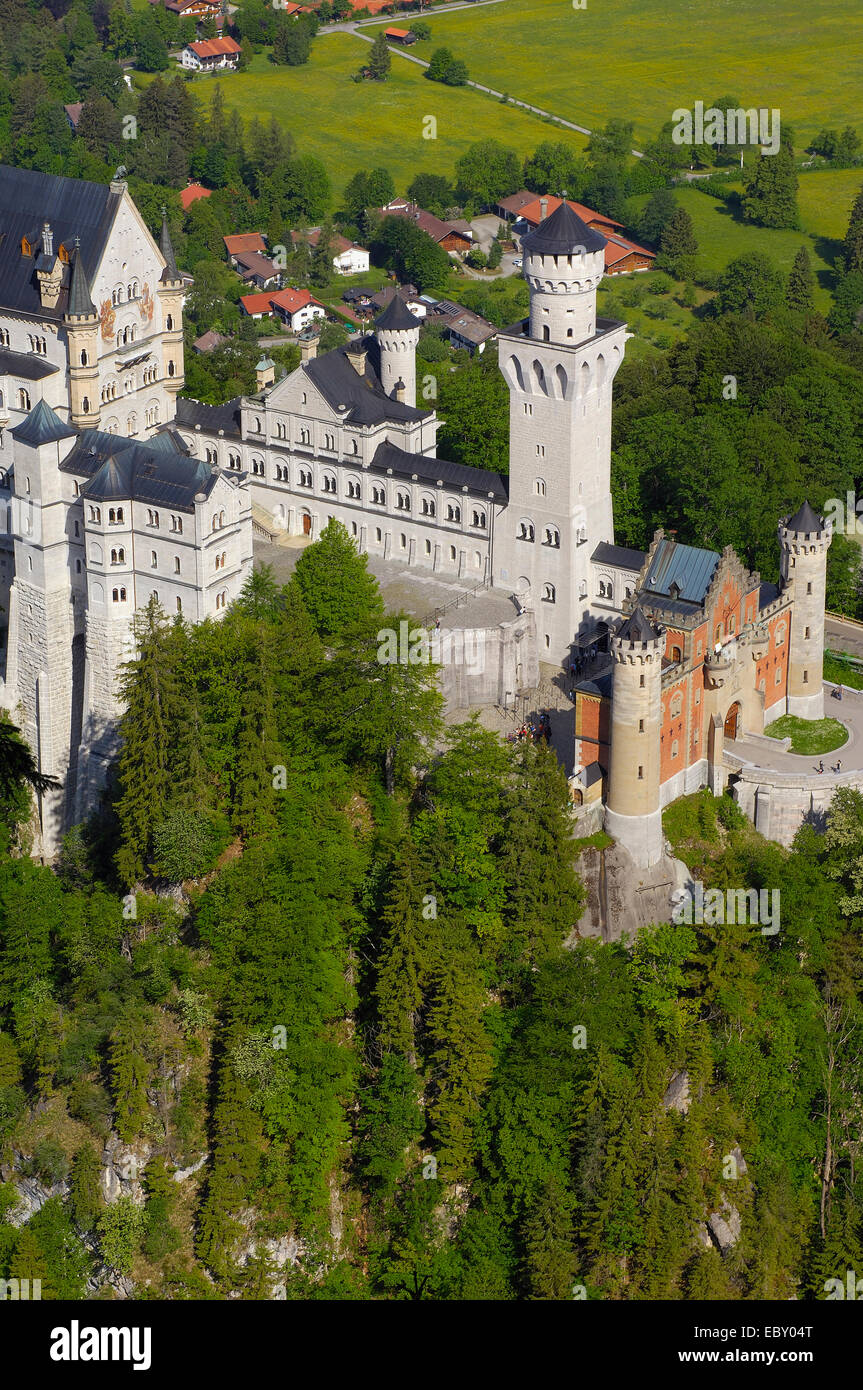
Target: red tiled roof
{"points": [[288, 299], [192, 192], [397, 33], [244, 241], [257, 303], [431, 225], [532, 212], [214, 48]]}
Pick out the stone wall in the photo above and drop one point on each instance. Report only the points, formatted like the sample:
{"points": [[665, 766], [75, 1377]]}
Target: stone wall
{"points": [[482, 666]]}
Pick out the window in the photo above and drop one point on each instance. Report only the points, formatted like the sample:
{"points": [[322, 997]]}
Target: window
{"points": [[378, 534], [528, 408], [304, 477], [169, 322], [170, 369], [85, 405], [641, 771], [305, 435], [676, 654], [176, 564], [153, 518], [674, 748], [23, 399], [540, 451], [211, 455], [525, 530], [777, 678], [258, 468], [428, 547], [329, 442], [780, 634], [641, 682], [641, 726], [95, 514], [676, 705], [548, 593], [118, 556], [353, 489], [808, 586], [119, 595], [281, 473], [154, 560], [177, 524], [235, 462], [328, 482], [4, 337], [281, 430], [453, 513], [379, 496], [403, 501], [355, 448], [257, 425], [115, 516], [428, 506], [179, 604], [552, 537], [403, 541], [478, 518], [806, 633], [452, 552]]}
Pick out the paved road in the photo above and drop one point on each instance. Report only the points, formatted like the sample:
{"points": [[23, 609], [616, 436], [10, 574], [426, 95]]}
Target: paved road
{"points": [[354, 28], [844, 636]]}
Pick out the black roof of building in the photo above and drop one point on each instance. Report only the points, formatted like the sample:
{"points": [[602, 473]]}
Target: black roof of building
{"points": [[637, 628], [397, 316], [170, 271], [479, 481], [340, 384], [806, 521], [210, 417], [767, 593], [25, 364], [618, 556], [42, 426], [80, 302], [72, 207], [119, 469], [562, 234]]}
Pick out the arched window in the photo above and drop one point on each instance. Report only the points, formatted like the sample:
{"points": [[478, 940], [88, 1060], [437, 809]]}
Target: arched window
{"points": [[329, 442], [428, 505], [780, 634], [403, 501], [170, 369], [304, 477], [305, 435], [548, 593], [169, 322], [525, 530], [539, 486], [453, 513], [23, 399], [354, 490], [281, 431], [676, 705], [552, 537], [328, 482], [478, 518]]}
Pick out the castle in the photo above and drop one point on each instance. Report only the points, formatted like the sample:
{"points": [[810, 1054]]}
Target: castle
{"points": [[120, 488]]}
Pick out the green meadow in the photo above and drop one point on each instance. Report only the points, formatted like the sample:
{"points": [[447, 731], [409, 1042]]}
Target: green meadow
{"points": [[641, 61], [360, 125]]}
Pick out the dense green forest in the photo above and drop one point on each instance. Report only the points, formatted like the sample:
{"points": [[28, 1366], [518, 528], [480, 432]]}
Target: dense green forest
{"points": [[344, 969]]}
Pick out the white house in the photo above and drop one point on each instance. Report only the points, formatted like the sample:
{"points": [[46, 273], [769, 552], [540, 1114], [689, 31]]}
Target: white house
{"points": [[211, 54]]}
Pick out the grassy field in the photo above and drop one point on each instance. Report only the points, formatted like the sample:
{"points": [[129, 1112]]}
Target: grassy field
{"points": [[360, 125], [626, 58]]}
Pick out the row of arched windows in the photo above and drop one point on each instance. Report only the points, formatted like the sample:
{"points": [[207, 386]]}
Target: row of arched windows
{"points": [[527, 532]]}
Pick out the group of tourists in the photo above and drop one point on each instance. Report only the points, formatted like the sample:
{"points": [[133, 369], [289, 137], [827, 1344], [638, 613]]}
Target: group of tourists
{"points": [[535, 729]]}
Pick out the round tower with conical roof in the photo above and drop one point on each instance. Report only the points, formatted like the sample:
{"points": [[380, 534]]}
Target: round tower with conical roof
{"points": [[398, 332], [82, 332], [804, 540], [633, 814], [564, 262], [170, 295]]}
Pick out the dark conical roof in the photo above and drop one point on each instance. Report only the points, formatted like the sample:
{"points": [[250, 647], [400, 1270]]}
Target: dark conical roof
{"points": [[80, 302], [170, 272], [805, 520], [562, 234], [42, 426], [397, 315], [638, 628]]}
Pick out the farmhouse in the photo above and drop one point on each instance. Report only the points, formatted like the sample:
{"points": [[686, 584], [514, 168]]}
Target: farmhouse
{"points": [[210, 54], [403, 36], [193, 9], [455, 237], [406, 293], [209, 340], [467, 329], [256, 269]]}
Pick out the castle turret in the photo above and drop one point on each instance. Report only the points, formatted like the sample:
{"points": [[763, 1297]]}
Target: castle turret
{"points": [[632, 815], [82, 332], [170, 293], [804, 540], [398, 333], [564, 261]]}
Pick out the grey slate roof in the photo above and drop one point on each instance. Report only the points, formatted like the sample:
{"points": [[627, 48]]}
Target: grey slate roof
{"points": [[479, 481], [210, 417], [170, 272], [73, 207], [686, 567], [119, 469], [618, 557], [561, 234], [396, 316], [340, 384], [25, 364], [806, 521], [42, 426], [637, 628], [80, 302]]}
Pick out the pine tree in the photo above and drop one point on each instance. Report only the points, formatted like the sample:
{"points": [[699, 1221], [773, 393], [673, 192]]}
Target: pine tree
{"points": [[678, 244], [549, 1243], [129, 1076], [380, 59], [86, 1198], [461, 1061], [770, 193], [852, 248], [28, 1262], [399, 992], [321, 271], [339, 593], [237, 1153], [151, 692], [801, 283]]}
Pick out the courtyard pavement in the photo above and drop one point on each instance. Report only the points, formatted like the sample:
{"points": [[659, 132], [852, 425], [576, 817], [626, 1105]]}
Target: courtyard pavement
{"points": [[767, 753]]}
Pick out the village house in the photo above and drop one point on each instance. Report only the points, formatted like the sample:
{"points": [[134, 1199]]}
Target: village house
{"points": [[208, 341], [402, 36], [455, 237], [193, 9], [191, 193], [296, 308], [408, 294], [255, 269], [348, 257], [466, 329], [208, 55]]}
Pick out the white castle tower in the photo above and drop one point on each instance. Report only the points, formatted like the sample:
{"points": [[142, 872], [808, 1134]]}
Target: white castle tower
{"points": [[398, 333], [804, 540], [560, 373]]}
